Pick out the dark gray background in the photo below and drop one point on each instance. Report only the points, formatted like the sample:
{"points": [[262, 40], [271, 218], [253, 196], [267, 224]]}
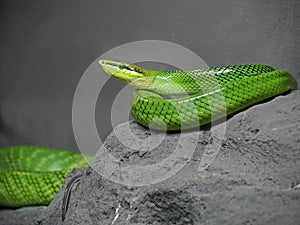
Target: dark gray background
{"points": [[47, 45]]}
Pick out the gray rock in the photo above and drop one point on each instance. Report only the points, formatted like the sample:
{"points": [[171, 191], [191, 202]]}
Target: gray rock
{"points": [[252, 178], [26, 215]]}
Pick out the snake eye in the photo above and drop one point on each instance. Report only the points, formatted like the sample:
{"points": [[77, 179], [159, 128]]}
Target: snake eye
{"points": [[122, 67], [131, 67], [135, 68]]}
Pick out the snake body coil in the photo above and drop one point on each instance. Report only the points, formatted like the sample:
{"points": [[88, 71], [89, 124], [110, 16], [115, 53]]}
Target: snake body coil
{"points": [[32, 175], [177, 99]]}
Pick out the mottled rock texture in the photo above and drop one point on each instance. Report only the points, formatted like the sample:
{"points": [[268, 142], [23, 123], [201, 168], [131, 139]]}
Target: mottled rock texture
{"points": [[254, 178]]}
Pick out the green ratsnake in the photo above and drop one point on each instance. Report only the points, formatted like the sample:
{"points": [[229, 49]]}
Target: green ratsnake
{"points": [[179, 99], [166, 99]]}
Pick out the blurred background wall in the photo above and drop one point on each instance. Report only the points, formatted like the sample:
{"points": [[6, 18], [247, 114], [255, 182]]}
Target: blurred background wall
{"points": [[47, 45]]}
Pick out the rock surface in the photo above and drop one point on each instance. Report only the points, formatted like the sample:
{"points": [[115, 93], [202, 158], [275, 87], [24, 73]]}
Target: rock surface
{"points": [[20, 216], [252, 178]]}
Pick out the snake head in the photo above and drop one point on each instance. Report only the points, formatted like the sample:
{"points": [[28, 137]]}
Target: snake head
{"points": [[128, 73]]}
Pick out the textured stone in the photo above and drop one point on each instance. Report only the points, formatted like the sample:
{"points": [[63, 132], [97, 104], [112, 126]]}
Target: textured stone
{"points": [[254, 178]]}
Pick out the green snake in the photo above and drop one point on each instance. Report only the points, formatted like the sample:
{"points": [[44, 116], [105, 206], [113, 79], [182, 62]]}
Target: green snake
{"points": [[179, 99], [165, 99], [32, 175]]}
